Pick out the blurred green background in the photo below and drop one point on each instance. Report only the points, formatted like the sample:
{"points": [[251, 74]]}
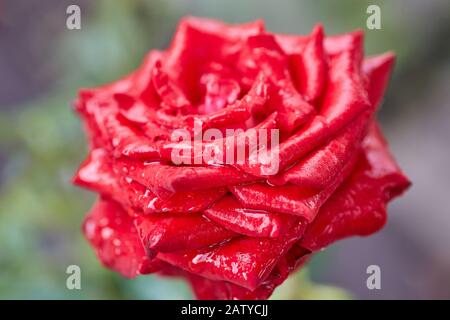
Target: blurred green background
{"points": [[42, 65]]}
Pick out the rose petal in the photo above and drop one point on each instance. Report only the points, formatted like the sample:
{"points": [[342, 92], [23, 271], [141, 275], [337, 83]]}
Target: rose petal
{"points": [[254, 223], [309, 66], [162, 178], [359, 206], [111, 232], [167, 233], [244, 261]]}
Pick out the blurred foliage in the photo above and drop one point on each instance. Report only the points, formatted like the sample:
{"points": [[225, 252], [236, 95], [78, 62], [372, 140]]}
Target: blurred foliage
{"points": [[299, 287], [41, 212], [42, 144]]}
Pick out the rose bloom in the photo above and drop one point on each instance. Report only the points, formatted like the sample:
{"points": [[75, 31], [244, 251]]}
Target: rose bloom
{"points": [[234, 231]]}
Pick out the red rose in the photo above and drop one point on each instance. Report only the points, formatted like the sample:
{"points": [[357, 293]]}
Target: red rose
{"points": [[235, 229]]}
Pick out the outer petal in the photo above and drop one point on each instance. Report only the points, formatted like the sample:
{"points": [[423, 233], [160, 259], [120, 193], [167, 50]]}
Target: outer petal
{"points": [[254, 223], [309, 67], [290, 199], [163, 179], [359, 206], [111, 232], [378, 70], [322, 166], [245, 261], [346, 95], [95, 173], [166, 233], [147, 202]]}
